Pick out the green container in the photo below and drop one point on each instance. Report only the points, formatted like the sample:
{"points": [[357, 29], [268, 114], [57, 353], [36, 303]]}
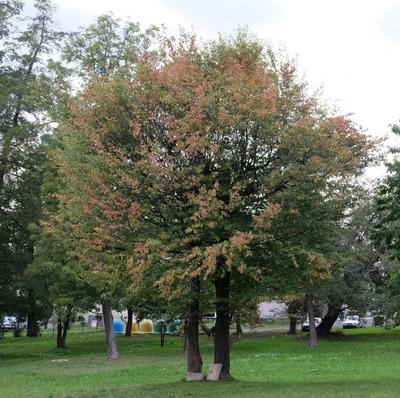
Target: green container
{"points": [[173, 327], [158, 326]]}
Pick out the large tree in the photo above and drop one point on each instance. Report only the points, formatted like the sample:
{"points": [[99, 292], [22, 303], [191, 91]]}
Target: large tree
{"points": [[386, 234], [30, 84], [96, 206], [354, 283], [180, 171]]}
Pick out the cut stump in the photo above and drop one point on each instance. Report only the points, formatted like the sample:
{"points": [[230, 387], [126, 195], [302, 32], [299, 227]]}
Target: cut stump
{"points": [[214, 372]]}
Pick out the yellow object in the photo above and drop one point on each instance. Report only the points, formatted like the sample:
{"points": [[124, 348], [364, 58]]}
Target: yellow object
{"points": [[146, 326]]}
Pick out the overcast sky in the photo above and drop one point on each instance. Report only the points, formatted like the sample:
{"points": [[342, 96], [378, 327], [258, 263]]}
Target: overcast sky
{"points": [[350, 48]]}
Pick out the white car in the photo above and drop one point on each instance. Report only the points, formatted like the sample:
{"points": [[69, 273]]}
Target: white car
{"points": [[9, 322], [306, 324], [352, 321]]}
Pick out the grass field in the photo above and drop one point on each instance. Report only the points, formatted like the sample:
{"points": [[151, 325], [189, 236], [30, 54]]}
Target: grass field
{"points": [[359, 363]]}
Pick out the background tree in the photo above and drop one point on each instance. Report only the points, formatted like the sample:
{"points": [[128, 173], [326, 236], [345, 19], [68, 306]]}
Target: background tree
{"points": [[108, 47], [386, 235], [58, 273], [92, 217], [353, 286], [29, 85], [386, 231]]}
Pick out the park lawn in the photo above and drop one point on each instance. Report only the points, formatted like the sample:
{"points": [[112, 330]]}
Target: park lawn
{"points": [[359, 363]]}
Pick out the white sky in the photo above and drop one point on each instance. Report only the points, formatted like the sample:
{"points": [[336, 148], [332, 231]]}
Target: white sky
{"points": [[349, 47]]}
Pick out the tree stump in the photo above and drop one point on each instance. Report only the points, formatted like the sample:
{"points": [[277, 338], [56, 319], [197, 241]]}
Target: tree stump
{"points": [[214, 372]]}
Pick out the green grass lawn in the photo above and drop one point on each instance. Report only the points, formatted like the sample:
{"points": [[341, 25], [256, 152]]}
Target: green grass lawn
{"points": [[359, 363]]}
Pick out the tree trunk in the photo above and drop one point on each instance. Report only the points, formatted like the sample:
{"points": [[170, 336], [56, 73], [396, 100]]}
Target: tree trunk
{"points": [[292, 324], [221, 337], [239, 330], [193, 357], [325, 327], [62, 328], [67, 322], [59, 332], [128, 329], [162, 334], [64, 334], [32, 327], [311, 319], [112, 350], [293, 308]]}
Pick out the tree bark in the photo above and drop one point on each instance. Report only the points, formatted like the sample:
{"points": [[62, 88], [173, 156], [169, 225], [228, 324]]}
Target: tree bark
{"points": [[62, 328], [313, 341], [239, 330], [59, 332], [325, 327], [292, 310], [112, 350], [67, 323], [193, 357], [292, 324], [64, 334], [128, 329], [162, 334], [221, 337], [32, 327]]}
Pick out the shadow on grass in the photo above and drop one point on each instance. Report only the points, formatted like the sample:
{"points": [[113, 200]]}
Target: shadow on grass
{"points": [[236, 388], [91, 344], [368, 334]]}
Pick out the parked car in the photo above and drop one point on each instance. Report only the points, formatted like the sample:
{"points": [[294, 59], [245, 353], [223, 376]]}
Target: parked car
{"points": [[351, 321], [9, 322], [306, 324]]}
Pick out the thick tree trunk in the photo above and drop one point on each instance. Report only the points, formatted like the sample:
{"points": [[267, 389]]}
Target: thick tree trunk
{"points": [[59, 332], [64, 333], [292, 324], [221, 337], [62, 328], [32, 327], [292, 310], [128, 329], [313, 330], [112, 351], [193, 358], [325, 327]]}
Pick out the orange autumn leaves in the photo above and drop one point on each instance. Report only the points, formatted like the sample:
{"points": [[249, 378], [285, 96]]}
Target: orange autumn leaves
{"points": [[187, 159]]}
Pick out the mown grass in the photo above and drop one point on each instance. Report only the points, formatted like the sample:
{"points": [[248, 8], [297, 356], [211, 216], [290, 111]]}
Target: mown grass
{"points": [[357, 363]]}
